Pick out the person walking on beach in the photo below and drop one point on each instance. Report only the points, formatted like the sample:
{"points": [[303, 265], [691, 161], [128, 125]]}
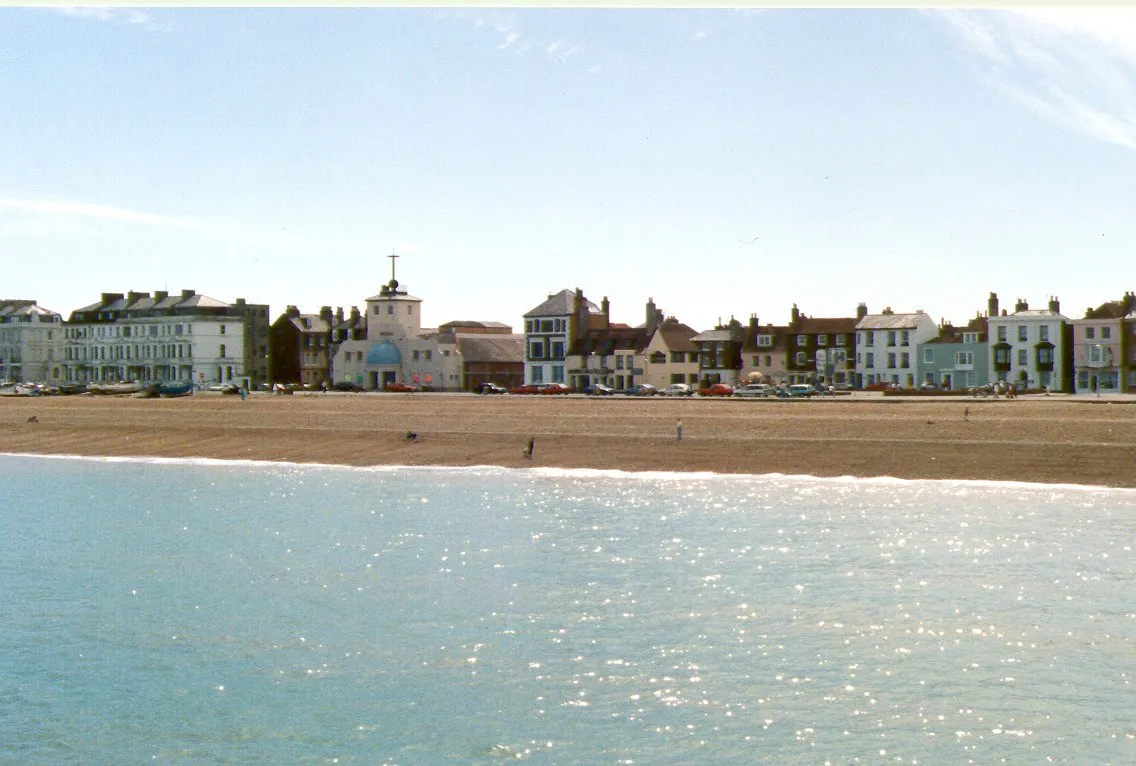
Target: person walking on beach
{"points": [[528, 451], [678, 430]]}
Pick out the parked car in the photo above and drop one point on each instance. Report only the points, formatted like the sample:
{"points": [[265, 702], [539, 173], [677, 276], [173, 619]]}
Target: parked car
{"points": [[346, 385], [676, 389], [401, 388], [798, 390], [599, 390], [753, 390], [554, 388], [224, 388], [489, 388], [527, 388], [716, 389], [642, 389]]}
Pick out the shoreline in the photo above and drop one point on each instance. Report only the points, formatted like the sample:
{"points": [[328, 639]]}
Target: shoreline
{"points": [[611, 473], [1047, 442]]}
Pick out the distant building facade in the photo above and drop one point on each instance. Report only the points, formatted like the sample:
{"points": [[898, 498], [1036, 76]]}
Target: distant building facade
{"points": [[1031, 347], [31, 342], [551, 329], [957, 359], [166, 338], [886, 345]]}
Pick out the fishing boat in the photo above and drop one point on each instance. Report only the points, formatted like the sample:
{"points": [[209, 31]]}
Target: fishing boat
{"points": [[122, 387], [170, 390]]}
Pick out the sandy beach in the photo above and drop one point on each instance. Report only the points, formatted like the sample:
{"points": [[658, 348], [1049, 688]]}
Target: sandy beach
{"points": [[1053, 440]]}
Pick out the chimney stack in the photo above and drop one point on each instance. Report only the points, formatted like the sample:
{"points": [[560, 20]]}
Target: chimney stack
{"points": [[1021, 305], [861, 311], [992, 305], [1054, 304], [796, 315]]}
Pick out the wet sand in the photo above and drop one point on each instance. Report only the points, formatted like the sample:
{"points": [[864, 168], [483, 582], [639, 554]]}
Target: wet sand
{"points": [[1053, 440]]}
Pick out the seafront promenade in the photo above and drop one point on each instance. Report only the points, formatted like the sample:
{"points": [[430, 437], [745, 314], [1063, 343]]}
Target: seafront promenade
{"points": [[1056, 439]]}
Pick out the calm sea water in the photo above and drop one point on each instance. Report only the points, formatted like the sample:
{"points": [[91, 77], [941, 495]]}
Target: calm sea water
{"points": [[211, 613]]}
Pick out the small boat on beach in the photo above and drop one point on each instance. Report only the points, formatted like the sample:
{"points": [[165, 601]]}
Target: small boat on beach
{"points": [[170, 390], [18, 389], [112, 389]]}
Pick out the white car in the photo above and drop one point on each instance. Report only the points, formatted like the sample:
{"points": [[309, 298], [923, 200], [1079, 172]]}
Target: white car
{"points": [[754, 389], [676, 389]]}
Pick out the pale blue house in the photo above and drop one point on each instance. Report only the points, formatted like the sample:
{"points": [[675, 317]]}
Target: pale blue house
{"points": [[957, 358]]}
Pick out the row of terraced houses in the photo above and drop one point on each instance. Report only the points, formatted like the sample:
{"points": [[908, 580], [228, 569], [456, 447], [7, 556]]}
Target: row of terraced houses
{"points": [[567, 339]]}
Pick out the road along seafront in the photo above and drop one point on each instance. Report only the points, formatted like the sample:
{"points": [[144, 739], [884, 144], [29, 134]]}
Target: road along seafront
{"points": [[1056, 440]]}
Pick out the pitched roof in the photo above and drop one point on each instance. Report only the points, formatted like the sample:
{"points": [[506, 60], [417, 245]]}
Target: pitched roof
{"points": [[824, 325], [890, 321], [780, 335], [560, 304], [609, 339], [677, 336], [480, 347]]}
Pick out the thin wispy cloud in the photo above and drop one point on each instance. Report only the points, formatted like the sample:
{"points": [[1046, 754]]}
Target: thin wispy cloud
{"points": [[92, 210], [700, 35], [118, 16], [1075, 67], [69, 211], [510, 35]]}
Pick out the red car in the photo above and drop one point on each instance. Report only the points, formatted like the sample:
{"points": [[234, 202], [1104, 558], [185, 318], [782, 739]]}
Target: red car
{"points": [[554, 388], [716, 389], [528, 388], [399, 387]]}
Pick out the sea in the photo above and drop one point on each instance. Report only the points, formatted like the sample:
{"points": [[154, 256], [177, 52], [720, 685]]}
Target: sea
{"points": [[223, 612]]}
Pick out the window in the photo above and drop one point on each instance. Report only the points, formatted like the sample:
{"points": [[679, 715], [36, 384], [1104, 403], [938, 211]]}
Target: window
{"points": [[800, 358], [768, 360], [972, 337], [221, 353], [678, 356], [1002, 333], [390, 309], [618, 362], [558, 349], [1023, 357], [870, 359], [557, 373], [537, 375], [764, 341], [822, 340], [1002, 355], [222, 331], [928, 356], [658, 358], [692, 357], [1045, 356], [756, 360], [964, 358], [427, 354], [891, 337], [802, 340], [891, 360], [546, 325], [410, 309], [414, 355], [870, 338], [839, 340], [1044, 331], [1096, 354], [1023, 332], [904, 338], [904, 360], [1106, 333], [1090, 332], [536, 350]]}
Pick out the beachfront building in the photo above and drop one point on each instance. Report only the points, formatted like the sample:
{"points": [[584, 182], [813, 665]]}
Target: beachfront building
{"points": [[957, 358], [820, 350], [720, 353], [765, 351], [302, 346], [395, 348], [1104, 354], [31, 343], [611, 356], [886, 344], [552, 328], [1031, 348], [488, 352], [167, 338], [670, 354]]}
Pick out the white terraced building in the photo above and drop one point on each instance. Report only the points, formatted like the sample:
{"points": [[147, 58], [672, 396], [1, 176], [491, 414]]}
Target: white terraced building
{"points": [[31, 343], [886, 346], [167, 338]]}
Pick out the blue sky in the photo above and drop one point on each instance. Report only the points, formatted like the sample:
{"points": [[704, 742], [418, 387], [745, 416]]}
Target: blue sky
{"points": [[912, 159]]}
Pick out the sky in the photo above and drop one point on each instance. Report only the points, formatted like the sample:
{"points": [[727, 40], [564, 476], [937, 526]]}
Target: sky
{"points": [[724, 162]]}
